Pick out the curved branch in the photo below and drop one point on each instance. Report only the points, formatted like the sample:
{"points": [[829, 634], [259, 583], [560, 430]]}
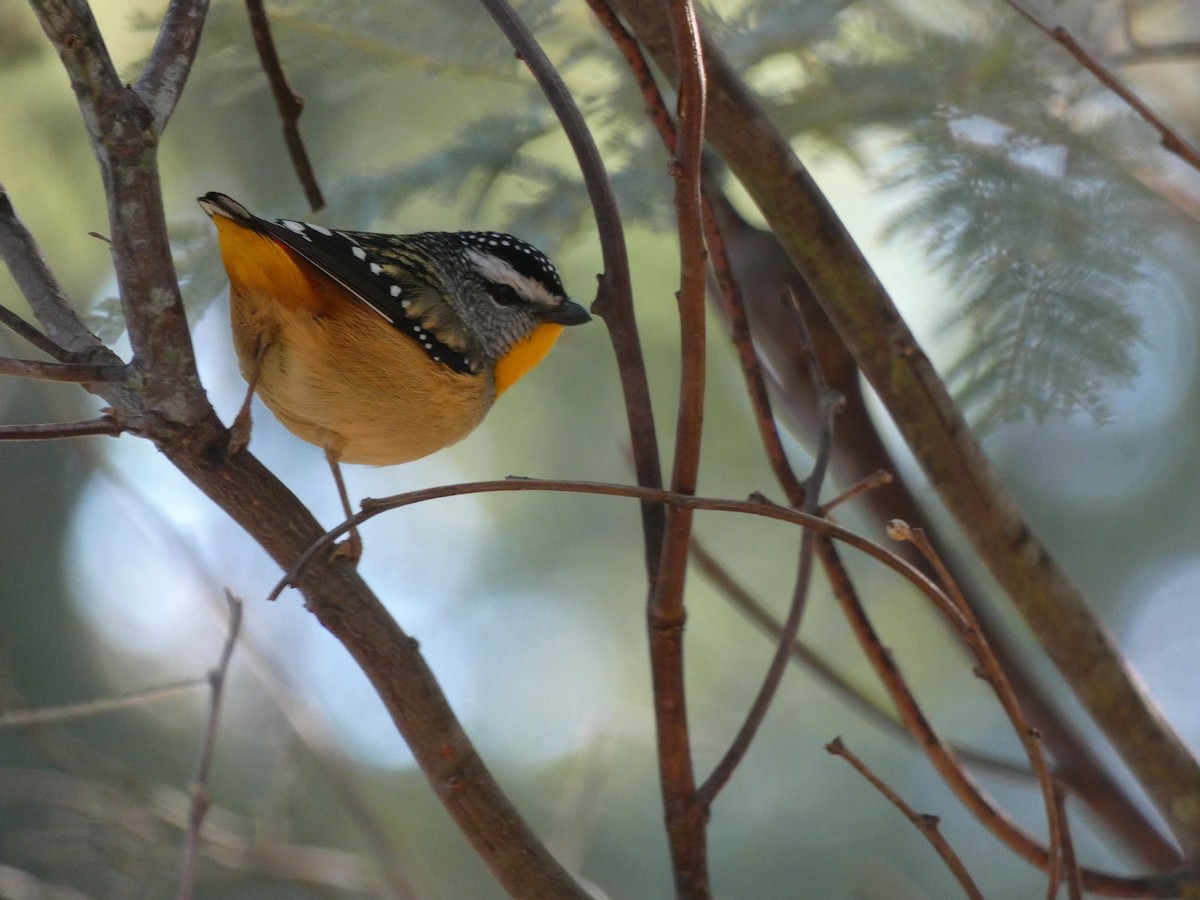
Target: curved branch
{"points": [[614, 298], [1070, 631], [168, 405], [806, 656], [287, 102]]}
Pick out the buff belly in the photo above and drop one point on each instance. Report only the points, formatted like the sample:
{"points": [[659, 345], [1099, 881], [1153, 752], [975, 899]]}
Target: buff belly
{"points": [[352, 384]]}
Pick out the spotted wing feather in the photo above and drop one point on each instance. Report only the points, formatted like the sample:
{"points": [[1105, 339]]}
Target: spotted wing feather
{"points": [[359, 262]]}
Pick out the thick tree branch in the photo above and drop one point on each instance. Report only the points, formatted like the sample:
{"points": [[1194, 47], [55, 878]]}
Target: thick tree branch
{"points": [[167, 404], [124, 139], [867, 320]]}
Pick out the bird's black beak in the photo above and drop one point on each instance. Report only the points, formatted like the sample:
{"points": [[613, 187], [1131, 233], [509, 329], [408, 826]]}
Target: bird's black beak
{"points": [[569, 313]]}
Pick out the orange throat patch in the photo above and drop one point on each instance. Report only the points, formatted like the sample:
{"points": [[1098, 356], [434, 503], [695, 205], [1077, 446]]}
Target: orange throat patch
{"points": [[524, 355]]}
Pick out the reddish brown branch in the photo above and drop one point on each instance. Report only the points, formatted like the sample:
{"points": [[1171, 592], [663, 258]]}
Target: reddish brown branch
{"points": [[877, 479], [52, 431], [289, 104], [926, 824], [809, 658], [1171, 140], [968, 792], [994, 673], [729, 290], [1070, 862], [614, 296], [827, 402], [685, 812], [869, 324]]}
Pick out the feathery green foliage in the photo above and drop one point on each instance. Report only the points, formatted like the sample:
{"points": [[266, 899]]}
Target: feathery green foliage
{"points": [[1011, 160]]}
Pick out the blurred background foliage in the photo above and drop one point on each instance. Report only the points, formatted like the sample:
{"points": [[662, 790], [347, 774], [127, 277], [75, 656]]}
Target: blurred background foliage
{"points": [[1041, 243]]}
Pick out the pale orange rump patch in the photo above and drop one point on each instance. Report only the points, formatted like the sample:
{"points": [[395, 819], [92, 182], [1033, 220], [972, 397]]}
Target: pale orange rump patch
{"points": [[260, 266], [525, 355]]}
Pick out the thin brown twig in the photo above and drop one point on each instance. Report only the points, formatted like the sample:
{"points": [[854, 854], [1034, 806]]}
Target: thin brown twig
{"points": [[827, 403], [72, 373], [926, 824], [729, 292], [1070, 862], [53, 431], [893, 362], [960, 782], [1171, 140], [21, 328], [825, 672], [289, 104], [996, 678], [614, 296], [200, 801], [871, 482], [371, 507], [684, 811], [69, 712], [756, 714]]}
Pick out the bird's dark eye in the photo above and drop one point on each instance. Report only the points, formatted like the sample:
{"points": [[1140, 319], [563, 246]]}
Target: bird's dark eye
{"points": [[504, 294]]}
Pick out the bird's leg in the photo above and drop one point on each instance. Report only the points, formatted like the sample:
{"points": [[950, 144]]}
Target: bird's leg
{"points": [[352, 547], [239, 431]]}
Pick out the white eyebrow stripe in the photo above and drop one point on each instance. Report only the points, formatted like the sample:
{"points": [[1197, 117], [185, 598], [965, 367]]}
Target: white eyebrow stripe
{"points": [[495, 269]]}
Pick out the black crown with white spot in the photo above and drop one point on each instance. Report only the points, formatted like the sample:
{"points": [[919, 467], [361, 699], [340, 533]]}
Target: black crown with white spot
{"points": [[524, 258]]}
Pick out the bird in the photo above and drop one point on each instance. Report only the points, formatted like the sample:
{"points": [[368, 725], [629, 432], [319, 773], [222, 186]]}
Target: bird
{"points": [[381, 348]]}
